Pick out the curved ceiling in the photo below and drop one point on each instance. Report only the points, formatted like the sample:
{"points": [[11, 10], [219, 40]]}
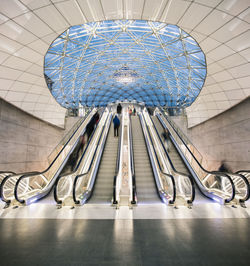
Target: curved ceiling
{"points": [[28, 27], [103, 62]]}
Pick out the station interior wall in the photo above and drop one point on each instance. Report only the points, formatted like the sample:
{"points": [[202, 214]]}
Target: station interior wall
{"points": [[225, 137], [25, 140]]}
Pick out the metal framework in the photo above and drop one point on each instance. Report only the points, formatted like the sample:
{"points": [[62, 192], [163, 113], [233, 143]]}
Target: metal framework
{"points": [[102, 62]]}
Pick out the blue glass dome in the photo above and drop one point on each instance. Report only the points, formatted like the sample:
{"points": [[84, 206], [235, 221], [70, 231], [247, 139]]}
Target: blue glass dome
{"points": [[102, 62]]}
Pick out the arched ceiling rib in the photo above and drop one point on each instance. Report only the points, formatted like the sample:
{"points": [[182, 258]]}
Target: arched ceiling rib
{"points": [[152, 62], [27, 27]]}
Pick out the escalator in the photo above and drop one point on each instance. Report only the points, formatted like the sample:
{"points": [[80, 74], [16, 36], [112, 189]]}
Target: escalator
{"points": [[222, 187], [26, 188], [103, 189], [77, 187], [175, 157], [145, 183]]}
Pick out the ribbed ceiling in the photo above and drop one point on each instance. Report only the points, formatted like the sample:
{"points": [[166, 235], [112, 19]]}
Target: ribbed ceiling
{"points": [[28, 27], [103, 62]]}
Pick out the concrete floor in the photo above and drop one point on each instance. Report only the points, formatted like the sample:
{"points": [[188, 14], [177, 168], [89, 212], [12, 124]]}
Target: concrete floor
{"points": [[124, 242], [149, 234]]}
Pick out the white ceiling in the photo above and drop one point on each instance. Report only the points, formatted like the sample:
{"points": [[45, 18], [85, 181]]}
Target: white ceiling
{"points": [[221, 27]]}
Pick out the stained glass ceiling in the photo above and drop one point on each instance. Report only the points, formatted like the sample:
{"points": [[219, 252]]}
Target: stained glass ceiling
{"points": [[102, 62]]}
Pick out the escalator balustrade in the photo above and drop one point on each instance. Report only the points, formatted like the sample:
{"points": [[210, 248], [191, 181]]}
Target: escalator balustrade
{"points": [[27, 188]]}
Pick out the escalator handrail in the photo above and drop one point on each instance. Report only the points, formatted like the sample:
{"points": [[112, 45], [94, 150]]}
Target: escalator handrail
{"points": [[132, 163], [171, 163], [117, 166], [34, 173], [245, 180], [76, 168], [70, 132], [93, 157], [5, 180], [185, 138], [242, 171], [78, 164], [37, 173], [3, 172], [27, 175], [68, 141], [163, 173], [169, 159], [208, 172], [42, 172]]}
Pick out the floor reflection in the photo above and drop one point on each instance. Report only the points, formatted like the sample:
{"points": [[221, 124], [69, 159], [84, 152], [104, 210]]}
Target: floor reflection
{"points": [[125, 242]]}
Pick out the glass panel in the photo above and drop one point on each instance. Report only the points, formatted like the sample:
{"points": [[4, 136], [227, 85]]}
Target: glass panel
{"points": [[101, 62]]}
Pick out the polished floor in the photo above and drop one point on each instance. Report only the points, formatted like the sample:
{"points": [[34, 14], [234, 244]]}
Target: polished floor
{"points": [[125, 242], [148, 234]]}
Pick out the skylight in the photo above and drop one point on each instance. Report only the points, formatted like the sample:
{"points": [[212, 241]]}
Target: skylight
{"points": [[102, 62]]}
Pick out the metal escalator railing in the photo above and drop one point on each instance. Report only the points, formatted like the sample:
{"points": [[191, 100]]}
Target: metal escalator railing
{"points": [[184, 182], [132, 163], [10, 178], [64, 184], [33, 186], [83, 185], [4, 174], [65, 138], [115, 201], [214, 184], [7, 187], [245, 173], [241, 184], [242, 187], [165, 182], [185, 139]]}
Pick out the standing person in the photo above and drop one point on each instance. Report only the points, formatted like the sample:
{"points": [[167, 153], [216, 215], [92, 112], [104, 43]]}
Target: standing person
{"points": [[149, 110], [81, 145], [223, 167], [91, 125], [119, 109], [97, 117], [134, 111], [72, 161], [166, 137], [116, 122]]}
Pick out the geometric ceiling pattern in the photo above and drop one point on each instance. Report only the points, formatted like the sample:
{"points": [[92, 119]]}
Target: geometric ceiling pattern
{"points": [[220, 27], [115, 60]]}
